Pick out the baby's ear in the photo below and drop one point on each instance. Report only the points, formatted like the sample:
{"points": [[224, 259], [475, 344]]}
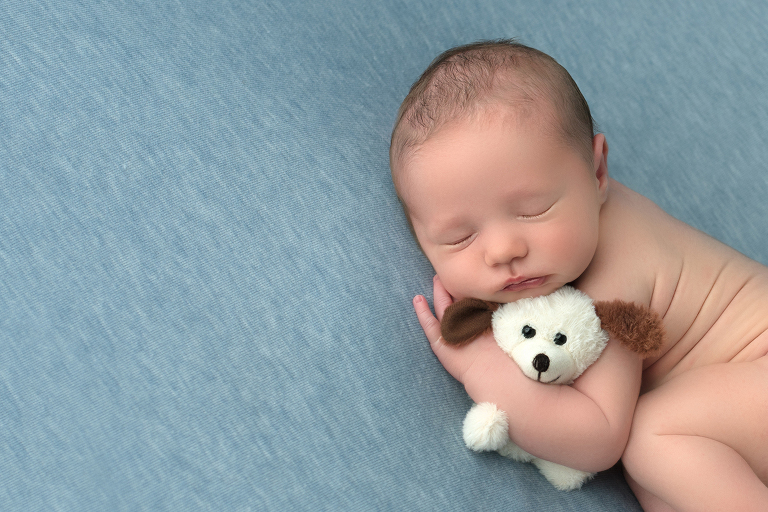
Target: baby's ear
{"points": [[638, 328], [465, 320]]}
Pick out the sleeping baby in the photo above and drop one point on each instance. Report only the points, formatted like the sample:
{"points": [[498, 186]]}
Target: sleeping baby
{"points": [[506, 189]]}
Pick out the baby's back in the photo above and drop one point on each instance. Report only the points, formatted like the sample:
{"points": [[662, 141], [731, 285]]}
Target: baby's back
{"points": [[714, 300]]}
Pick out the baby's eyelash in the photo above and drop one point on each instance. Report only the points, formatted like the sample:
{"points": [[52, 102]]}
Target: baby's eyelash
{"points": [[537, 215], [459, 242]]}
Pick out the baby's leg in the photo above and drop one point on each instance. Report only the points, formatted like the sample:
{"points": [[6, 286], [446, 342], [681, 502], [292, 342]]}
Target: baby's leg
{"points": [[700, 441]]}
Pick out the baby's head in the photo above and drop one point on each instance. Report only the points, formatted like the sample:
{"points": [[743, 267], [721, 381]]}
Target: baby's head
{"points": [[472, 80], [501, 178]]}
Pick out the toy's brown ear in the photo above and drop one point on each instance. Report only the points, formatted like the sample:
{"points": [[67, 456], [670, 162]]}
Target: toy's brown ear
{"points": [[465, 320], [638, 328]]}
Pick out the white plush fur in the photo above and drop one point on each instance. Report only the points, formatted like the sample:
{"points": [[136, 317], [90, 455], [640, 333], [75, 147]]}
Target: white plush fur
{"points": [[568, 312], [485, 428]]}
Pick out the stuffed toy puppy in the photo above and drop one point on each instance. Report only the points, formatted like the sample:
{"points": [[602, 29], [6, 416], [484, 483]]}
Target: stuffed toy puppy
{"points": [[553, 339]]}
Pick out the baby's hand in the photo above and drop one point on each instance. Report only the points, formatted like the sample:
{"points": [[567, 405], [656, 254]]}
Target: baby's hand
{"points": [[458, 361]]}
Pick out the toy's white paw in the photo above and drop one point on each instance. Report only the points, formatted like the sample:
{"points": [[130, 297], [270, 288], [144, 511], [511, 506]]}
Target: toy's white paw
{"points": [[514, 452], [563, 478], [485, 428]]}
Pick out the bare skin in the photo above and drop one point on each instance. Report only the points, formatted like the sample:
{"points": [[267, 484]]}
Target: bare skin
{"points": [[697, 436]]}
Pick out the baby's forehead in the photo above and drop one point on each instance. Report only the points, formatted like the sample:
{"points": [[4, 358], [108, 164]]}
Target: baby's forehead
{"points": [[541, 122], [540, 125], [462, 165]]}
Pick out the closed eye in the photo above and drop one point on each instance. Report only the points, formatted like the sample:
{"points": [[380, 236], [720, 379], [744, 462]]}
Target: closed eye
{"points": [[537, 215], [460, 241]]}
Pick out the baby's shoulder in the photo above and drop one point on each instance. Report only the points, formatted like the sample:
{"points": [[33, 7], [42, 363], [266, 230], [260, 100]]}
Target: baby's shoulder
{"points": [[635, 250]]}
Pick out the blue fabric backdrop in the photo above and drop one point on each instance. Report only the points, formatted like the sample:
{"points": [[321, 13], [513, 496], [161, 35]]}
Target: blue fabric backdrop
{"points": [[205, 277]]}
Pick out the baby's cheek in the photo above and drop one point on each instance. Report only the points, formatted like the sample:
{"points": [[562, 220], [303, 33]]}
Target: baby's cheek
{"points": [[458, 279], [580, 245]]}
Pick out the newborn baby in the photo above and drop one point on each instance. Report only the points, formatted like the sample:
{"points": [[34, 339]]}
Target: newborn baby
{"points": [[506, 189]]}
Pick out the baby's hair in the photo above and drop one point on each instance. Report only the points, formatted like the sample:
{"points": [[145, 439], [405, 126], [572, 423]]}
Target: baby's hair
{"points": [[462, 81]]}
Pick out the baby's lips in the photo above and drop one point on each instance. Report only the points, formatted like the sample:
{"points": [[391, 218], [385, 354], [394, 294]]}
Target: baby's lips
{"points": [[523, 284]]}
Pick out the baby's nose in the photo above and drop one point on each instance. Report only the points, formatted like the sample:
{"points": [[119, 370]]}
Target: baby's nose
{"points": [[541, 363], [504, 248]]}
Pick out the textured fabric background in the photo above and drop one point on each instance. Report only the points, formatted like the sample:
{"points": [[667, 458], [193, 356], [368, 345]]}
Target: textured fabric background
{"points": [[205, 278]]}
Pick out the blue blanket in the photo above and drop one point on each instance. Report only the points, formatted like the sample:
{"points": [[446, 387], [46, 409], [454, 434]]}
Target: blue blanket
{"points": [[205, 276]]}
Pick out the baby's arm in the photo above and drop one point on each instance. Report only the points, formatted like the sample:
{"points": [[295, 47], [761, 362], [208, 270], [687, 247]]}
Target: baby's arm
{"points": [[583, 426]]}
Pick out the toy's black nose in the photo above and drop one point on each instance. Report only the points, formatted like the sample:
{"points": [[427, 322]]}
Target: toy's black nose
{"points": [[541, 363]]}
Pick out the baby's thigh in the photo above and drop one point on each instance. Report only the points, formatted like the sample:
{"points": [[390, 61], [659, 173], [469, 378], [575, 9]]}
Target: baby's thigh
{"points": [[725, 402]]}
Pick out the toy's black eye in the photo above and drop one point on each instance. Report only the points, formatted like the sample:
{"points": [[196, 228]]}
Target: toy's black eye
{"points": [[529, 332], [560, 339]]}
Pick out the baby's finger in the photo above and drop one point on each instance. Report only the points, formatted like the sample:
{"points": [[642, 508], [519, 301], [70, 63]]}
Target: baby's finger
{"points": [[442, 298], [427, 320]]}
